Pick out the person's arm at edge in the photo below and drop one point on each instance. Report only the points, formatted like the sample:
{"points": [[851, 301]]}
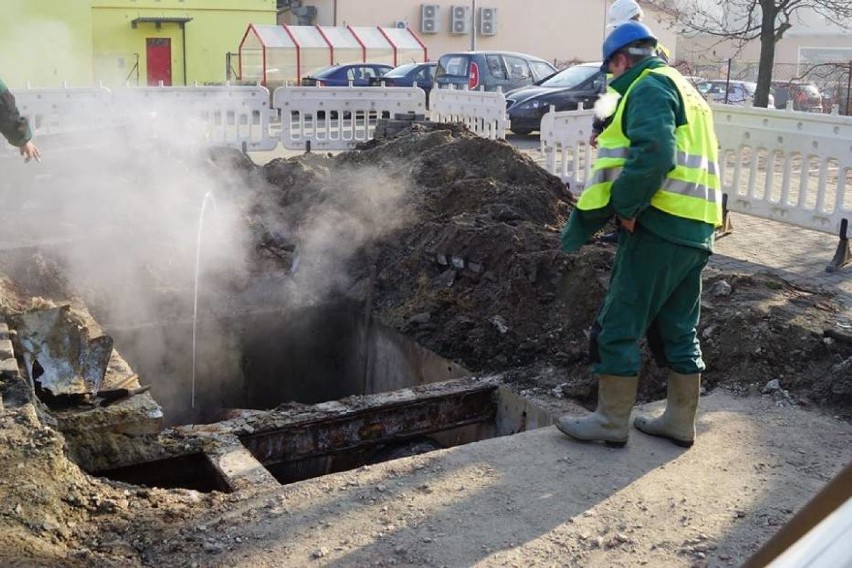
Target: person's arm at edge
{"points": [[14, 127]]}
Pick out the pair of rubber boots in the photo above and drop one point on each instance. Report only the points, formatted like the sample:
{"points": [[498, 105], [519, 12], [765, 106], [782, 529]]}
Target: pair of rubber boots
{"points": [[616, 396]]}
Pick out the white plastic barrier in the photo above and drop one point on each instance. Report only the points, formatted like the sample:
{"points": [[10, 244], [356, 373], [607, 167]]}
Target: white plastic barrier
{"points": [[784, 165], [228, 115], [338, 118], [63, 110], [792, 167], [565, 145], [484, 112], [234, 116]]}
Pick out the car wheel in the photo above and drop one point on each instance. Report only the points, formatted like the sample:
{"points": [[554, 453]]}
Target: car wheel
{"points": [[521, 131]]}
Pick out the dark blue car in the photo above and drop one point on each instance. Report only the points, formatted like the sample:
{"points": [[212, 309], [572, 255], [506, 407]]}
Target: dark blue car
{"points": [[409, 75], [358, 74]]}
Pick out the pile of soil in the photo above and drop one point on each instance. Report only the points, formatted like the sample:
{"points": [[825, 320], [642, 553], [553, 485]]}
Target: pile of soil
{"points": [[474, 273]]}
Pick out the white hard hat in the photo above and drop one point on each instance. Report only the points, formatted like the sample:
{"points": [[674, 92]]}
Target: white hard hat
{"points": [[623, 11]]}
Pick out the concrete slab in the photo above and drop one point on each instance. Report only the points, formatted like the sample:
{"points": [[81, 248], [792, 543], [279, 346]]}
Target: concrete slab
{"points": [[540, 499]]}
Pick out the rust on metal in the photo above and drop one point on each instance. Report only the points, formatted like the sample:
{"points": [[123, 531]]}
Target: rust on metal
{"points": [[382, 420]]}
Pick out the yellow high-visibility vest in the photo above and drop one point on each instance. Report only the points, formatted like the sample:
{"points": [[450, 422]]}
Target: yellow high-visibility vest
{"points": [[692, 189]]}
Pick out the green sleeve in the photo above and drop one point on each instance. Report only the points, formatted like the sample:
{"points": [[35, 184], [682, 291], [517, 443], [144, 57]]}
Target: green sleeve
{"points": [[650, 118], [581, 226], [13, 126]]}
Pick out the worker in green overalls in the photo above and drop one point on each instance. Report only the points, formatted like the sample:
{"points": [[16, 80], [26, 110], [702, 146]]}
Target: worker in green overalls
{"points": [[15, 128], [656, 171]]}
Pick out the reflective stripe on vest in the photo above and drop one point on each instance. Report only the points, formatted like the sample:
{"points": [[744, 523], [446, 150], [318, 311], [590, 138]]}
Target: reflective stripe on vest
{"points": [[690, 190]]}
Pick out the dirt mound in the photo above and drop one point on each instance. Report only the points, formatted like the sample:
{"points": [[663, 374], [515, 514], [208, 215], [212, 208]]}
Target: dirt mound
{"points": [[762, 334], [453, 240], [475, 273]]}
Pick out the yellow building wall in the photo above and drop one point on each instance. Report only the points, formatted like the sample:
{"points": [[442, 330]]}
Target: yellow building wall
{"points": [[82, 42], [45, 43], [216, 28]]}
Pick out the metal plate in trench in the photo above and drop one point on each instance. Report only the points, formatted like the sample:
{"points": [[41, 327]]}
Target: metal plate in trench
{"points": [[71, 361], [343, 431]]}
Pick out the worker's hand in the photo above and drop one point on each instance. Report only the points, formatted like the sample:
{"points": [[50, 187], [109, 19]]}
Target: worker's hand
{"points": [[593, 139], [628, 224], [30, 152]]}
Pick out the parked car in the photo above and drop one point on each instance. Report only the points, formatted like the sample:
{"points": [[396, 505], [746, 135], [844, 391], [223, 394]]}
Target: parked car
{"points": [[491, 70], [409, 75], [564, 90], [739, 92], [802, 96], [358, 74]]}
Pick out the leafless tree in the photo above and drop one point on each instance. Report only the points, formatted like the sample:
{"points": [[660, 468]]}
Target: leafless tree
{"points": [[765, 20]]}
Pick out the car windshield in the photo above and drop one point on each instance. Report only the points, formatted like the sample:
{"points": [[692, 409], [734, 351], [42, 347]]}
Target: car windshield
{"points": [[570, 77], [401, 71], [809, 90]]}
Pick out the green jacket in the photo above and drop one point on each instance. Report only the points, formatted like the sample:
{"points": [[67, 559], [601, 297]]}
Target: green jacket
{"points": [[14, 127], [654, 110]]}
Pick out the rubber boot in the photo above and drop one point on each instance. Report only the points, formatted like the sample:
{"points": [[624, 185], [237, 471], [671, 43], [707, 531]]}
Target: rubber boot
{"points": [[677, 423], [611, 421]]}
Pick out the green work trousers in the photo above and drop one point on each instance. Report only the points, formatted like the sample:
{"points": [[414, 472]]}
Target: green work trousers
{"points": [[653, 281]]}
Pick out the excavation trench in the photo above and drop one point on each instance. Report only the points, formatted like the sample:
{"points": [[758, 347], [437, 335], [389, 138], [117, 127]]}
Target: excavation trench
{"points": [[323, 392]]}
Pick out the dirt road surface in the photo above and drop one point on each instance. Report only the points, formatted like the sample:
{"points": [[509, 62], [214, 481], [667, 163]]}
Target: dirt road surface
{"points": [[535, 499]]}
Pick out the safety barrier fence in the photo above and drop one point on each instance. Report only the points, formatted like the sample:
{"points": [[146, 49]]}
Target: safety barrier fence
{"points": [[246, 117], [62, 110], [237, 116], [792, 167], [564, 141], [483, 112], [338, 118]]}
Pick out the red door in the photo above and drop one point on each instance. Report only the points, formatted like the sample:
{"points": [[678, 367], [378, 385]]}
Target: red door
{"points": [[159, 56]]}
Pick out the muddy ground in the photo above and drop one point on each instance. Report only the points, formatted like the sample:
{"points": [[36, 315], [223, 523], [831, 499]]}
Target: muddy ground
{"points": [[459, 251]]}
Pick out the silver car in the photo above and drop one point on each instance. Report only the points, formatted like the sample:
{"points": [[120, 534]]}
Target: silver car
{"points": [[739, 93]]}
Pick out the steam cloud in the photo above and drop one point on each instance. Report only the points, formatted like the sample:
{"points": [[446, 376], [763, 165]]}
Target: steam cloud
{"points": [[366, 206], [119, 204]]}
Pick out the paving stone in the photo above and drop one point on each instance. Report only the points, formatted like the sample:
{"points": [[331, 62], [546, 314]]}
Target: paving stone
{"points": [[795, 254]]}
